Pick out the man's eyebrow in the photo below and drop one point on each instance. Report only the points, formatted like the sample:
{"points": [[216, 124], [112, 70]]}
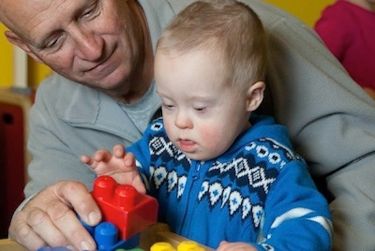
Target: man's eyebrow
{"points": [[40, 43]]}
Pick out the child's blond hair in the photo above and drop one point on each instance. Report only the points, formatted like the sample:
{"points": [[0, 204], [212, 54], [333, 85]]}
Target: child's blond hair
{"points": [[228, 27]]}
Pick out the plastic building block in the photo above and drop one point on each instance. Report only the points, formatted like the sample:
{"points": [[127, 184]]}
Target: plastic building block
{"points": [[106, 237], [183, 246], [53, 249], [189, 246], [162, 246], [130, 211], [126, 213], [133, 249]]}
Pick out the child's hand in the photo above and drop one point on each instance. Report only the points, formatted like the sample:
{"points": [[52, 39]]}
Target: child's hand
{"points": [[235, 246], [120, 165]]}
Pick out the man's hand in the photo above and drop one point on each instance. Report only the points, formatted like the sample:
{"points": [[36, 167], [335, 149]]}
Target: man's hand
{"points": [[235, 246], [50, 218], [119, 164]]}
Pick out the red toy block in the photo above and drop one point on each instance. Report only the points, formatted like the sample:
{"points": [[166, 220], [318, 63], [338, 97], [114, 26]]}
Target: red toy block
{"points": [[131, 212]]}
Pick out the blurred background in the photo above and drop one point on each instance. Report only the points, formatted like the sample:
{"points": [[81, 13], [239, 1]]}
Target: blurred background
{"points": [[306, 10]]}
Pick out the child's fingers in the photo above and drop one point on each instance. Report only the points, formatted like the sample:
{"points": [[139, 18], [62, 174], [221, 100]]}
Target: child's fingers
{"points": [[118, 150], [86, 160], [129, 161], [102, 155], [89, 161], [139, 185]]}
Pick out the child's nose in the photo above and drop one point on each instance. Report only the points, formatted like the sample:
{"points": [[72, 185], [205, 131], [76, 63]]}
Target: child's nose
{"points": [[183, 121]]}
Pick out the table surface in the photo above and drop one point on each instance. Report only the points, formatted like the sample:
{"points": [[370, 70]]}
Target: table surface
{"points": [[156, 233], [9, 245]]}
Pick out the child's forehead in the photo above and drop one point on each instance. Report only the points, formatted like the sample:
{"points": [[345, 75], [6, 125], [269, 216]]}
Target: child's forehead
{"points": [[197, 69]]}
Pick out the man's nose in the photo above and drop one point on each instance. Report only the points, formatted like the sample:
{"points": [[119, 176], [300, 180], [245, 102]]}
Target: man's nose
{"points": [[89, 46]]}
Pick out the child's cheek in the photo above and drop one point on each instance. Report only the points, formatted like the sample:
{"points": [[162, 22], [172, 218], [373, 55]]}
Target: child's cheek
{"points": [[209, 136]]}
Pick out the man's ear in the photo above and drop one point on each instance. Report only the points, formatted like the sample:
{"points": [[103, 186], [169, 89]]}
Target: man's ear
{"points": [[14, 39], [255, 95]]}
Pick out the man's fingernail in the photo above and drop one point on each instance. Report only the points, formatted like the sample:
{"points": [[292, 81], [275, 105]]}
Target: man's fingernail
{"points": [[94, 218], [85, 245]]}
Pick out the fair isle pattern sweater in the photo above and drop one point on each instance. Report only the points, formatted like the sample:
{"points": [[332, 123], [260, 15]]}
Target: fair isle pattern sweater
{"points": [[259, 191]]}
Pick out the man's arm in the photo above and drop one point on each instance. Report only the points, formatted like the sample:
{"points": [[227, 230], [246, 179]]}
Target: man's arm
{"points": [[50, 144], [49, 216]]}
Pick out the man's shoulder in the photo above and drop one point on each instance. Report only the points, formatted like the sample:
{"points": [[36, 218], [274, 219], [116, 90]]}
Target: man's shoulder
{"points": [[269, 14], [257, 5], [57, 93], [56, 86], [178, 5]]}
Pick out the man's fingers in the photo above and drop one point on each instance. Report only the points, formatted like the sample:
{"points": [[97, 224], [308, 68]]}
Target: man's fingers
{"points": [[49, 219], [77, 195], [67, 221], [43, 225], [21, 232]]}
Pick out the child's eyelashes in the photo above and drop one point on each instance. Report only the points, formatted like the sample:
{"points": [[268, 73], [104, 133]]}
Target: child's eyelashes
{"points": [[167, 106], [200, 109]]}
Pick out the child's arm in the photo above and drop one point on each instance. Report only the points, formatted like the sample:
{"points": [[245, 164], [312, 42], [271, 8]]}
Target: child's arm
{"points": [[118, 164], [296, 215]]}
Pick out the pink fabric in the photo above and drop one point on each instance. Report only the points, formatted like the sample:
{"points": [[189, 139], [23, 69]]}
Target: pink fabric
{"points": [[349, 32]]}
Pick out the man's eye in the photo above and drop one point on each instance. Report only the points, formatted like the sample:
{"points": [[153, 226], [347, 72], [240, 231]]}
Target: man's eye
{"points": [[87, 13], [52, 42], [91, 12]]}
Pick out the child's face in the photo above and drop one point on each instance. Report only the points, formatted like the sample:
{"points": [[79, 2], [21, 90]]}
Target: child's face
{"points": [[202, 114]]}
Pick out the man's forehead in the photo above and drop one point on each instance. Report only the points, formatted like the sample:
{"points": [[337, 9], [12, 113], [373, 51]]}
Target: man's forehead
{"points": [[17, 12], [21, 10], [29, 18]]}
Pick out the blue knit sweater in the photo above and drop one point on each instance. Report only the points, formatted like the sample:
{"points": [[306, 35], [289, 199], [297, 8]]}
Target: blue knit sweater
{"points": [[259, 191]]}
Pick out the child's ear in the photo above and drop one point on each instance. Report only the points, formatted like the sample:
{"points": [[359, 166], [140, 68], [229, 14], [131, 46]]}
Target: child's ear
{"points": [[14, 39], [255, 95]]}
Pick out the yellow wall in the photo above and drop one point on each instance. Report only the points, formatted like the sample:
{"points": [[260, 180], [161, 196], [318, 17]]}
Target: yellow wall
{"points": [[306, 10], [37, 72], [6, 61]]}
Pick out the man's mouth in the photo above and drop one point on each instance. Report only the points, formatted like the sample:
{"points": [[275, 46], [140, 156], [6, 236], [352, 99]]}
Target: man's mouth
{"points": [[101, 65], [98, 67]]}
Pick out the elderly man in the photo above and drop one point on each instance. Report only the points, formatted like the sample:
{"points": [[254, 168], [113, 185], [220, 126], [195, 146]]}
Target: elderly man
{"points": [[103, 94]]}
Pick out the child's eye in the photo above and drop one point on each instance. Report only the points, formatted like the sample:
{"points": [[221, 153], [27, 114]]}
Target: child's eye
{"points": [[167, 106], [200, 109]]}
